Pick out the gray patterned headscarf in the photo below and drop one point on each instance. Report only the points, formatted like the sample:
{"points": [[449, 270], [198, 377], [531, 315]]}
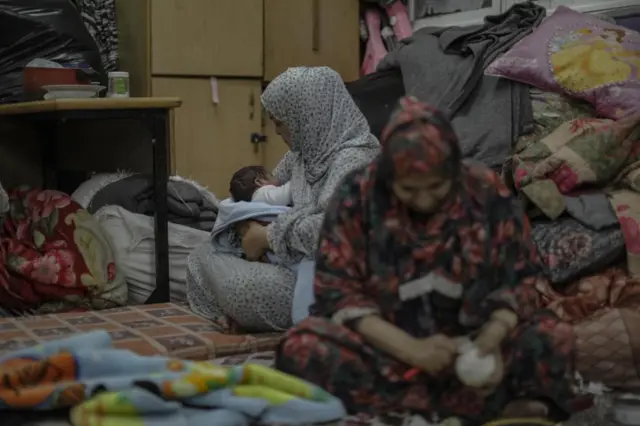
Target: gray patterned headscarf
{"points": [[330, 137], [320, 114]]}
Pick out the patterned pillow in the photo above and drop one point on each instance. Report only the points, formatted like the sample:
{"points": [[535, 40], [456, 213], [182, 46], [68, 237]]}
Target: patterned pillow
{"points": [[568, 249], [582, 56]]}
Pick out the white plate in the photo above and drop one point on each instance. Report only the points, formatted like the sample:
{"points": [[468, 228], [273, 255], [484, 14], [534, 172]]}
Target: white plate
{"points": [[72, 91]]}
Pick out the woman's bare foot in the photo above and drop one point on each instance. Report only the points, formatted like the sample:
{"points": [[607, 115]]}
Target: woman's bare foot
{"points": [[526, 408]]}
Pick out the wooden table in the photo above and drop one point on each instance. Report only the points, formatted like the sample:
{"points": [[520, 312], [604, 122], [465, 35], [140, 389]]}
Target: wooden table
{"points": [[154, 112]]}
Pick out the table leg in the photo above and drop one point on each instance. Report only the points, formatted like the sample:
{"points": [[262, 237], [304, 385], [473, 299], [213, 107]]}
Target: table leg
{"points": [[161, 155], [48, 136]]}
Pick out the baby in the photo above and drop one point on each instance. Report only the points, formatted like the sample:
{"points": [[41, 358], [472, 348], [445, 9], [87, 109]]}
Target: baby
{"points": [[254, 183]]}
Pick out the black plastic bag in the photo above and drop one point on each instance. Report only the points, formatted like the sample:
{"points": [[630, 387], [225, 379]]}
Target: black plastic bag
{"points": [[47, 29], [377, 96]]}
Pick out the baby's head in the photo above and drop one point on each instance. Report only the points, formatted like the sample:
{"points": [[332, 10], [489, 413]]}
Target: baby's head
{"points": [[245, 181]]}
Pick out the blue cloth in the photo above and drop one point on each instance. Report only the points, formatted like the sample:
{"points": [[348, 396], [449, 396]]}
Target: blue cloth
{"points": [[105, 385], [224, 237], [303, 294]]}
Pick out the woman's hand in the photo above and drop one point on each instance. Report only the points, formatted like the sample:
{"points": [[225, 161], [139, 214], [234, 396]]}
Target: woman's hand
{"points": [[496, 378], [255, 242], [432, 354], [494, 332], [491, 337]]}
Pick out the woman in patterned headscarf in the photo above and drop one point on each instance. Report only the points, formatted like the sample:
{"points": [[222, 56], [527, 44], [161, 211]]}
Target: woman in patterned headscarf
{"points": [[328, 137], [416, 251]]}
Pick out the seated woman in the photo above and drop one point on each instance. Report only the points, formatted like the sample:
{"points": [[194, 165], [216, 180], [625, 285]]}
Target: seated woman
{"points": [[417, 250], [328, 138]]}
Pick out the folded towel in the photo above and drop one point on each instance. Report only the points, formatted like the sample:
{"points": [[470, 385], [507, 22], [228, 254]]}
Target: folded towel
{"points": [[107, 386]]}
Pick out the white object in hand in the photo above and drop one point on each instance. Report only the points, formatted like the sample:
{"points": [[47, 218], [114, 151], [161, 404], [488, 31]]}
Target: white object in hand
{"points": [[472, 369]]}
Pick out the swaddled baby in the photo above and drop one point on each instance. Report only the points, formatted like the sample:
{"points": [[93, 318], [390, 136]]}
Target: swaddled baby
{"points": [[254, 183]]}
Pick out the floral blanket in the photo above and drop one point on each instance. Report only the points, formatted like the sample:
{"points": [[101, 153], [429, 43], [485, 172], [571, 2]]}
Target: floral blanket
{"points": [[572, 151], [582, 152], [54, 256], [550, 110], [101, 386]]}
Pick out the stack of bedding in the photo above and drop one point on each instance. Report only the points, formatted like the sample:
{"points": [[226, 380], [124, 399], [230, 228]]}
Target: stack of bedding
{"points": [[122, 203], [578, 174]]}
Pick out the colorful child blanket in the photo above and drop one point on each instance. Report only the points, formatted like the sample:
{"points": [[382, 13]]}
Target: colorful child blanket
{"points": [[106, 386]]}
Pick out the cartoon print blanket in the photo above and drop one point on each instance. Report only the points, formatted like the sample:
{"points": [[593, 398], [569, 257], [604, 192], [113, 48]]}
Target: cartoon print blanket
{"points": [[104, 386]]}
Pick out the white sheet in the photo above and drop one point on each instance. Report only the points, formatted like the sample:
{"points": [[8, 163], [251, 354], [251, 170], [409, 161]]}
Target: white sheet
{"points": [[132, 239]]}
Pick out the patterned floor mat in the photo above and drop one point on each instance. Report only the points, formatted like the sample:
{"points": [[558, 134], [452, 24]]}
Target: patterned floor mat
{"points": [[263, 358]]}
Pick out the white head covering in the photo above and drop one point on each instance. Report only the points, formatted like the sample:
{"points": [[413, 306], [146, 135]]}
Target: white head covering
{"points": [[320, 114]]}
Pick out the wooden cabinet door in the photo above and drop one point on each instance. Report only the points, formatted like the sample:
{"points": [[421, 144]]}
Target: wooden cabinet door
{"points": [[207, 37], [212, 141], [312, 33], [274, 147]]}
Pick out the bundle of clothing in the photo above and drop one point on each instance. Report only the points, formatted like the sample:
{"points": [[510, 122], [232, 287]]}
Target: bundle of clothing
{"points": [[576, 174], [445, 68], [188, 204], [123, 205], [85, 380]]}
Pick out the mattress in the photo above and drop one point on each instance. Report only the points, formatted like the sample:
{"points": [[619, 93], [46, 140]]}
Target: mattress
{"points": [[162, 329]]}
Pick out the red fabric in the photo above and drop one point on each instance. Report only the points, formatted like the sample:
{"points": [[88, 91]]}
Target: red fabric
{"points": [[39, 257], [592, 296]]}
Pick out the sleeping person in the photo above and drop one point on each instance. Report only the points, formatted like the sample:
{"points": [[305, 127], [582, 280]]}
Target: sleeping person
{"points": [[254, 183]]}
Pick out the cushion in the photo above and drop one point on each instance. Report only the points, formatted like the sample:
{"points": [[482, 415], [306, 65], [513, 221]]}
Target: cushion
{"points": [[162, 329], [582, 56], [569, 249]]}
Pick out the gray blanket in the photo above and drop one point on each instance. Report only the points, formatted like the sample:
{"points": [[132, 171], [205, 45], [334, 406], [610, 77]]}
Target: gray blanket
{"points": [[187, 205], [445, 68]]}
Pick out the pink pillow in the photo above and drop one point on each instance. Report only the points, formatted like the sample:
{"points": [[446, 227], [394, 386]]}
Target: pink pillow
{"points": [[582, 56]]}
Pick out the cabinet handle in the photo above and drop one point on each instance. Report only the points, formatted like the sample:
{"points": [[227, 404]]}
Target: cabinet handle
{"points": [[315, 25], [256, 140], [252, 106]]}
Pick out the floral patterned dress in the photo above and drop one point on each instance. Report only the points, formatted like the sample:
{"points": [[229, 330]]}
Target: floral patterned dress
{"points": [[476, 249]]}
